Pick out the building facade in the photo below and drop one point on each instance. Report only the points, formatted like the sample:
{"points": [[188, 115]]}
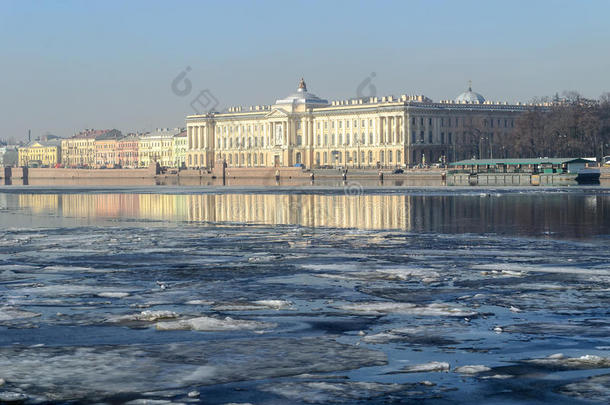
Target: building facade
{"points": [[363, 132], [158, 147], [80, 150], [41, 153], [128, 151], [180, 147]]}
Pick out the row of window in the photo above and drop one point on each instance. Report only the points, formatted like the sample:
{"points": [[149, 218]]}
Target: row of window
{"points": [[348, 123]]}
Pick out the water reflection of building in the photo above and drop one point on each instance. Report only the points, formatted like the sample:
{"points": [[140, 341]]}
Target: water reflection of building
{"points": [[513, 214], [364, 212], [340, 211]]}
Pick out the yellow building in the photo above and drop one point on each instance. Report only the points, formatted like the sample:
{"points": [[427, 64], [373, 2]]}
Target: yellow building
{"points": [[180, 146], [362, 132], [41, 153], [158, 147], [79, 150]]}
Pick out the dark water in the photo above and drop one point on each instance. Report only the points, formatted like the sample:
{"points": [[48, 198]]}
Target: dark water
{"points": [[308, 295]]}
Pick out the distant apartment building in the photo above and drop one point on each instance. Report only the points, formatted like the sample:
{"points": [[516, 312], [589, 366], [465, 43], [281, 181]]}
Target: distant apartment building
{"points": [[158, 147], [180, 146], [128, 151], [106, 145], [79, 150], [43, 152]]}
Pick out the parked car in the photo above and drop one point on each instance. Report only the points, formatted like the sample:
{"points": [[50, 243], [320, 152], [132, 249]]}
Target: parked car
{"points": [[398, 171]]}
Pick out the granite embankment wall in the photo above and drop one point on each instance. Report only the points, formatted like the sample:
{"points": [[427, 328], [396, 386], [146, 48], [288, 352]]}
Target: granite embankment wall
{"points": [[262, 172], [242, 172], [47, 173], [40, 173]]}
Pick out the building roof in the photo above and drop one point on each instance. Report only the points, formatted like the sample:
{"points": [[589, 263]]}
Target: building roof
{"points": [[55, 142], [470, 97], [302, 96], [528, 161]]}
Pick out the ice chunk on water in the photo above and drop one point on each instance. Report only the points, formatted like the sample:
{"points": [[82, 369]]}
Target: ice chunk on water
{"points": [[148, 316], [474, 369], [8, 397], [425, 335], [433, 366], [199, 302], [92, 373], [595, 388], [253, 306], [408, 274], [10, 313], [274, 304], [434, 309], [558, 360], [113, 294], [209, 324], [327, 392]]}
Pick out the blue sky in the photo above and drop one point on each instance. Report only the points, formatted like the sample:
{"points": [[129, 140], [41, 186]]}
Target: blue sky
{"points": [[68, 65]]}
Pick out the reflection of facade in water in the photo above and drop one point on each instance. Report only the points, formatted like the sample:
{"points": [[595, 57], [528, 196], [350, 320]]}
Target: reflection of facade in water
{"points": [[364, 212], [532, 214], [40, 203]]}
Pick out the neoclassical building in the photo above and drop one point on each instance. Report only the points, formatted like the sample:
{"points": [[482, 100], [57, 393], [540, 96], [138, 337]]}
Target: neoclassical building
{"points": [[362, 132]]}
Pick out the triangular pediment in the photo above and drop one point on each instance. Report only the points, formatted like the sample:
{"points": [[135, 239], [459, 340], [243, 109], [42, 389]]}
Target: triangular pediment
{"points": [[277, 113]]}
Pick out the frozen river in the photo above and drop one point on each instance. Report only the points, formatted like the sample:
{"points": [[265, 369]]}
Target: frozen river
{"points": [[297, 296]]}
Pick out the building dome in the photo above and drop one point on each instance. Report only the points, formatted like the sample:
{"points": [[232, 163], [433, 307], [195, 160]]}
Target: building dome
{"points": [[302, 96], [470, 97]]}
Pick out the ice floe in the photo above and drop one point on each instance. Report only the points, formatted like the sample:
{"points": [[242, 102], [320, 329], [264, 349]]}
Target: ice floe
{"points": [[472, 369], [91, 373], [210, 324], [595, 388], [8, 313], [433, 366], [558, 360], [434, 309], [327, 392], [113, 294], [423, 335], [253, 306], [147, 316]]}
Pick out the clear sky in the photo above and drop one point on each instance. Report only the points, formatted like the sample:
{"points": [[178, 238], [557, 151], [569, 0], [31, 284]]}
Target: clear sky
{"points": [[69, 65]]}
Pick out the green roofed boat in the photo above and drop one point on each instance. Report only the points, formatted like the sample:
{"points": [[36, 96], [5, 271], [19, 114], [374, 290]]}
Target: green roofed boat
{"points": [[520, 172]]}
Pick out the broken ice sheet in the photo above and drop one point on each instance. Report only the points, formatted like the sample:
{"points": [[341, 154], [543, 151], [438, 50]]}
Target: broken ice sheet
{"points": [[211, 324], [343, 391], [595, 388], [95, 372], [434, 309]]}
